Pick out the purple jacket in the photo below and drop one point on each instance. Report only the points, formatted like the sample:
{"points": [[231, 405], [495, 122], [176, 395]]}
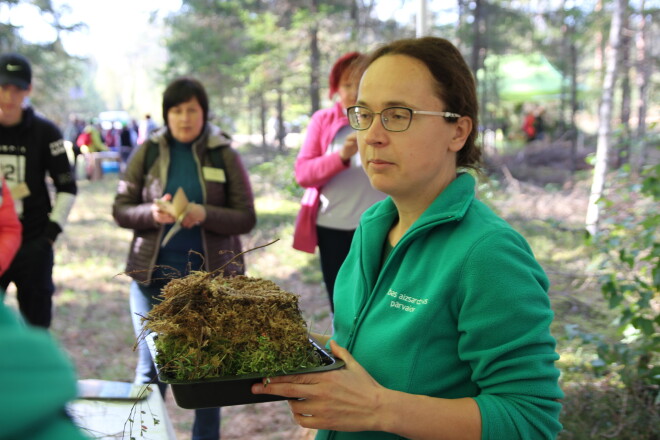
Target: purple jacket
{"points": [[314, 169]]}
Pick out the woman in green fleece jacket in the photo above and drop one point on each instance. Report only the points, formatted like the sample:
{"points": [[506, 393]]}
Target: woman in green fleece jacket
{"points": [[441, 310], [37, 380]]}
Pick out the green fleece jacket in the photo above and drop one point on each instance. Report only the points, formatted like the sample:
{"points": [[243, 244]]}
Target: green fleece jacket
{"points": [[36, 382], [459, 309]]}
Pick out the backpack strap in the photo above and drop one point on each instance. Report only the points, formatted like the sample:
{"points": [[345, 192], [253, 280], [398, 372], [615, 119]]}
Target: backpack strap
{"points": [[216, 157], [151, 155], [219, 162]]}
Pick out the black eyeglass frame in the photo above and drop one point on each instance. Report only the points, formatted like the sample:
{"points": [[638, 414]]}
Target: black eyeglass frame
{"points": [[351, 111]]}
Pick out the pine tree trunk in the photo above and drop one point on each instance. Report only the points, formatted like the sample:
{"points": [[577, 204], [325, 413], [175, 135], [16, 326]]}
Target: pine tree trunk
{"points": [[315, 62], [604, 116], [574, 103], [281, 131], [477, 33], [263, 109], [643, 78], [623, 155]]}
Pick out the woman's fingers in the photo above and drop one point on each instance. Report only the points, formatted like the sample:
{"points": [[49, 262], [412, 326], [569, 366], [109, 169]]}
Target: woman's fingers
{"points": [[342, 399], [292, 386]]}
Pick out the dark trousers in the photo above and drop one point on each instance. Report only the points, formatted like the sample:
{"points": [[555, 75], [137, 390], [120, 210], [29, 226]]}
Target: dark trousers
{"points": [[334, 245], [142, 298], [32, 273]]}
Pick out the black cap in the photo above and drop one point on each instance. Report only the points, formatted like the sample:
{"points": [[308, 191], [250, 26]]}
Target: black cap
{"points": [[15, 69]]}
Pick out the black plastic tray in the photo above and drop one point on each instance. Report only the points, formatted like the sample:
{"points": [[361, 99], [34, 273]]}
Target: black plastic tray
{"points": [[233, 390]]}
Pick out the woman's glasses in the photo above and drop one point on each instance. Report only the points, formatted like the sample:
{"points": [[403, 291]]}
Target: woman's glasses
{"points": [[393, 118]]}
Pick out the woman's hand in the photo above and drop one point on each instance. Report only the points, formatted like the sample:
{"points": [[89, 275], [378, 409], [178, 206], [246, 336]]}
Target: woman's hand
{"points": [[349, 148], [160, 215], [195, 216], [347, 399]]}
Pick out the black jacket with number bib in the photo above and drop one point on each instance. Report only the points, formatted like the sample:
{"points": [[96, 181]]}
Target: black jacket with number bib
{"points": [[29, 152], [229, 205]]}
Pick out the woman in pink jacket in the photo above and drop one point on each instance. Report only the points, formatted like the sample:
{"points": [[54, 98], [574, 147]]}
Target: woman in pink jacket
{"points": [[10, 229], [337, 189]]}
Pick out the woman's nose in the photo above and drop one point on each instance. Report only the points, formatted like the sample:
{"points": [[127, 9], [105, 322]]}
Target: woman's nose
{"points": [[376, 133]]}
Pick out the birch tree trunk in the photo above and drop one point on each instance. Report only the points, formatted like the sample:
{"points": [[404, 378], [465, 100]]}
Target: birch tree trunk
{"points": [[604, 116], [422, 18]]}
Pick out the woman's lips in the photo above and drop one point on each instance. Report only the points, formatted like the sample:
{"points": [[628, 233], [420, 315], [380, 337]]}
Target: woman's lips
{"points": [[379, 162], [379, 165]]}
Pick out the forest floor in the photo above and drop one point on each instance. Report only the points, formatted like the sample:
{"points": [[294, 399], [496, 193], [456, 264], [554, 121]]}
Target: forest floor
{"points": [[537, 196]]}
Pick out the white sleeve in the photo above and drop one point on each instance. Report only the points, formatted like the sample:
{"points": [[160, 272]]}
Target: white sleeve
{"points": [[63, 204]]}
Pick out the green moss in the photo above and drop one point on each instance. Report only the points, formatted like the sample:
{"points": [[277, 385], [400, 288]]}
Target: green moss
{"points": [[215, 327]]}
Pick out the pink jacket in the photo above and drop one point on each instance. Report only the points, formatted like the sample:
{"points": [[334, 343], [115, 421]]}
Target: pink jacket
{"points": [[314, 169], [10, 229]]}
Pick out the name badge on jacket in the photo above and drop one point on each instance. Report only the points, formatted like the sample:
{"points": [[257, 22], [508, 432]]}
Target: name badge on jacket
{"points": [[214, 174]]}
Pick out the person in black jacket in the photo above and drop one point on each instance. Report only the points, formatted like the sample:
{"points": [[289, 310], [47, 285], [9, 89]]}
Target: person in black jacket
{"points": [[31, 147]]}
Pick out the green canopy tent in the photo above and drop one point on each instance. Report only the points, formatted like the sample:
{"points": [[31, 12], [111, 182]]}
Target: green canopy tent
{"points": [[522, 78]]}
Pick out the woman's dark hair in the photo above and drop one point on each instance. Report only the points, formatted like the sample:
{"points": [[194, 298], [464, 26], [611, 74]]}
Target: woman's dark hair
{"points": [[348, 61], [182, 90], [455, 85]]}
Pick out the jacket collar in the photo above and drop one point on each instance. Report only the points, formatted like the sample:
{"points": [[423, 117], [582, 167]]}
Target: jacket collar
{"points": [[211, 137], [216, 137], [450, 205], [27, 117], [453, 202]]}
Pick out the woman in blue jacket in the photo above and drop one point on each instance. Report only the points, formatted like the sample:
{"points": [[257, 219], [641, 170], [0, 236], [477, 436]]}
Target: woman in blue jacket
{"points": [[441, 310]]}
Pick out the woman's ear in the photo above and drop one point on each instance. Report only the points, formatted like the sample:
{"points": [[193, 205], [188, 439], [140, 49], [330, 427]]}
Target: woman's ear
{"points": [[462, 129]]}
